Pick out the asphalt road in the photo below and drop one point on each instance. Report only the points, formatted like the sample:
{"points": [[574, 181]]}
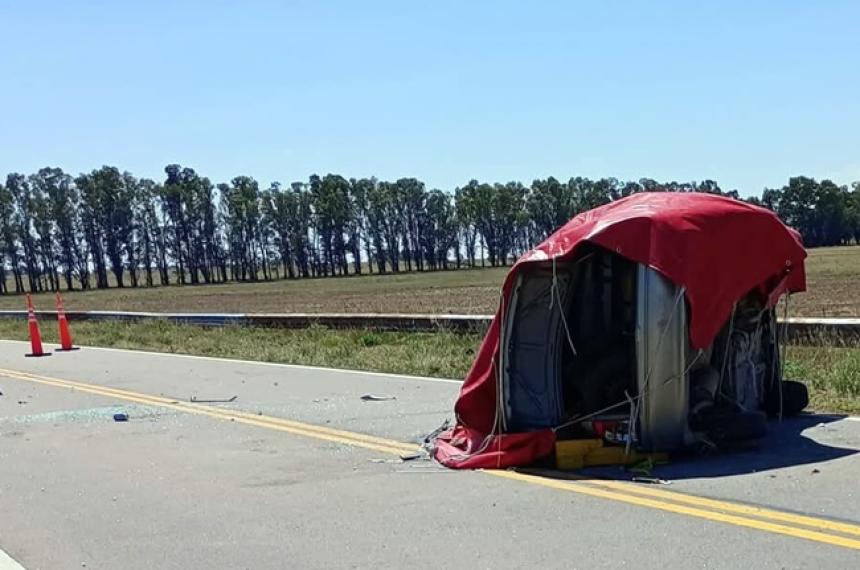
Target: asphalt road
{"points": [[301, 472]]}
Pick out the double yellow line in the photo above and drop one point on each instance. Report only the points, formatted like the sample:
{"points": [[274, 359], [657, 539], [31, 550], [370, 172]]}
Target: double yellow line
{"points": [[778, 522], [769, 520]]}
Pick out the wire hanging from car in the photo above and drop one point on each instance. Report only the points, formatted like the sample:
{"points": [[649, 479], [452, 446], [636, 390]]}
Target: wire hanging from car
{"points": [[555, 294], [784, 358], [728, 346]]}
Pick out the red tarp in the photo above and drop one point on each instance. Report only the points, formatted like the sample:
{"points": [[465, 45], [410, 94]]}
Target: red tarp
{"points": [[717, 248]]}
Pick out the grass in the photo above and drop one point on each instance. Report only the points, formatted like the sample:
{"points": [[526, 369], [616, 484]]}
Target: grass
{"points": [[831, 274], [832, 374], [444, 355]]}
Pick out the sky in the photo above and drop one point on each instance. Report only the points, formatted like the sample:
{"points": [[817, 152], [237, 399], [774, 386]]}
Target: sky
{"points": [[746, 93]]}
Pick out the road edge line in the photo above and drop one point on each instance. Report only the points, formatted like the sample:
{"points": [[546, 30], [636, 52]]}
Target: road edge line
{"points": [[262, 363], [9, 563]]}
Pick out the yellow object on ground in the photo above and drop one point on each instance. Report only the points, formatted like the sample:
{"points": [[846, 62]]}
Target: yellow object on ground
{"points": [[570, 454], [578, 453]]}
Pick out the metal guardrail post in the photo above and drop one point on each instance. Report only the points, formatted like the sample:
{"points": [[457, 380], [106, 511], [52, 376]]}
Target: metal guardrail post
{"points": [[802, 331]]}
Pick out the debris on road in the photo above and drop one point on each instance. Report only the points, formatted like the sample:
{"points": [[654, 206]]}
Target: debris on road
{"points": [[213, 401], [372, 398], [121, 417], [651, 480], [402, 459]]}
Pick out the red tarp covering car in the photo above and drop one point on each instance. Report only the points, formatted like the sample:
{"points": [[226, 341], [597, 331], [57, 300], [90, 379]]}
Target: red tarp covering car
{"points": [[718, 249]]}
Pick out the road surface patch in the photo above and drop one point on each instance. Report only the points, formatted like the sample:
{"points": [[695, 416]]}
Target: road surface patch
{"points": [[797, 526]]}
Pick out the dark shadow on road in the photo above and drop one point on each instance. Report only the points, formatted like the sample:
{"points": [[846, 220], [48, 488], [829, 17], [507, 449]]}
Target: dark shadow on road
{"points": [[784, 446]]}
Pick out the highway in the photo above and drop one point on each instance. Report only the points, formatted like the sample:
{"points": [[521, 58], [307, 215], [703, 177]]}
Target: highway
{"points": [[304, 469]]}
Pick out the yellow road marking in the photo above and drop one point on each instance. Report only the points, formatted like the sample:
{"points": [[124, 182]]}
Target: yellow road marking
{"points": [[299, 428], [578, 487], [738, 508], [612, 490]]}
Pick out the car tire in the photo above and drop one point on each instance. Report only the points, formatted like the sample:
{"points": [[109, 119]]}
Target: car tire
{"points": [[795, 398]]}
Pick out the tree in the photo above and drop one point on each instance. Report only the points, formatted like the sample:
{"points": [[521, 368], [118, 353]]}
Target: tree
{"points": [[438, 229], [240, 209], [56, 212], [174, 210], [821, 212], [853, 212], [149, 230], [107, 197], [550, 205], [365, 229], [377, 224], [384, 201], [332, 214], [9, 242], [24, 212], [467, 229], [188, 201], [58, 231], [508, 205], [410, 197], [277, 209]]}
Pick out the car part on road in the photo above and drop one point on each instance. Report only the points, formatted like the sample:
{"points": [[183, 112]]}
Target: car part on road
{"points": [[212, 401], [651, 480]]}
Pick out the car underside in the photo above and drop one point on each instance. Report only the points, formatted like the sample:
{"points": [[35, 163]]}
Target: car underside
{"points": [[598, 346]]}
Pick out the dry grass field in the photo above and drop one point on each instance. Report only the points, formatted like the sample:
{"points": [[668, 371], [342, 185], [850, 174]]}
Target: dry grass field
{"points": [[833, 290]]}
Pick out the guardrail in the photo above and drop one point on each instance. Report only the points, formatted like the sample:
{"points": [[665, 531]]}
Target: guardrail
{"points": [[801, 331]]}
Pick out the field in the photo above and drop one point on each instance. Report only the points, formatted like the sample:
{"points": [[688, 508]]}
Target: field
{"points": [[832, 292]]}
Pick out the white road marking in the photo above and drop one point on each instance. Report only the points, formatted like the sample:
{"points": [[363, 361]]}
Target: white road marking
{"points": [[9, 563], [258, 363]]}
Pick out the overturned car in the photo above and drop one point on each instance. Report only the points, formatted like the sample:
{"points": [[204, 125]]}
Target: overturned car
{"points": [[646, 325]]}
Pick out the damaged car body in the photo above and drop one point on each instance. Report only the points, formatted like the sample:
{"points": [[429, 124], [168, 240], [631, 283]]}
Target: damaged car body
{"points": [[601, 344], [647, 325]]}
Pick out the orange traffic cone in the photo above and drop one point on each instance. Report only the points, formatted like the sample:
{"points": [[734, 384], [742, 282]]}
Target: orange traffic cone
{"points": [[63, 323], [35, 335]]}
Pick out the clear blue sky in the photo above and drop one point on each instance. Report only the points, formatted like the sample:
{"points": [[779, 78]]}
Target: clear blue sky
{"points": [[747, 93]]}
